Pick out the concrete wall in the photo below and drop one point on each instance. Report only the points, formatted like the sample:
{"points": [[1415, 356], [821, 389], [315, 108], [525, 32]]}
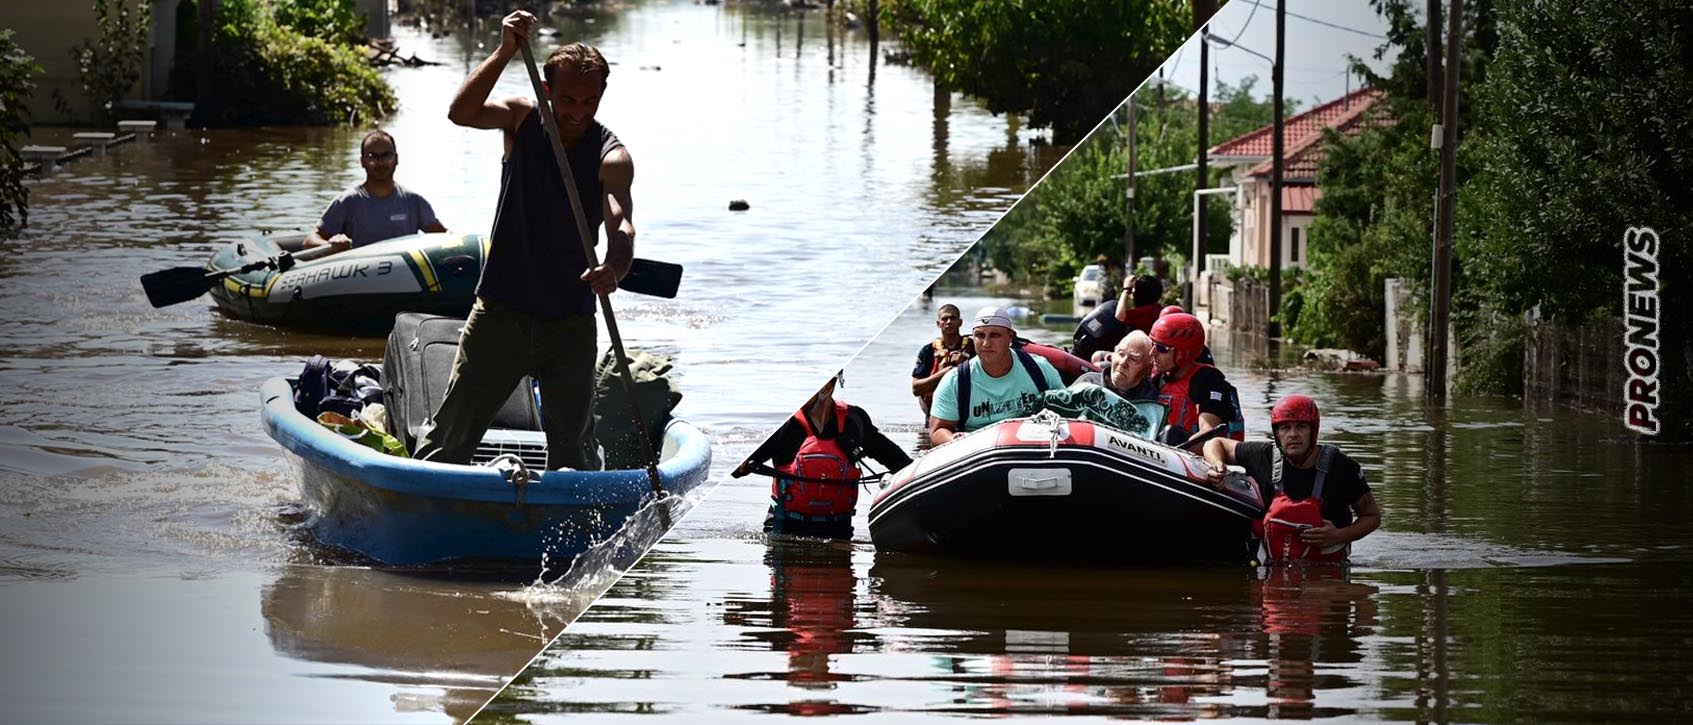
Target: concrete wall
{"points": [[48, 31]]}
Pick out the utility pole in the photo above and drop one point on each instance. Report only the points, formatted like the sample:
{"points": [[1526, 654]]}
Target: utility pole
{"points": [[1432, 61], [1202, 12], [1129, 226], [1275, 328], [1440, 317]]}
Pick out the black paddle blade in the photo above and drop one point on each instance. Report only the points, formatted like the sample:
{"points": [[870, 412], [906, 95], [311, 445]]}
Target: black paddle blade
{"points": [[647, 277], [177, 284]]}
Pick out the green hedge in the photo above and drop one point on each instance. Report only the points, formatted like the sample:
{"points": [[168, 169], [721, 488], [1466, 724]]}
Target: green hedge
{"points": [[265, 72]]}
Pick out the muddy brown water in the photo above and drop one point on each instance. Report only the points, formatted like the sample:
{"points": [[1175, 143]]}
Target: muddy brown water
{"points": [[1535, 566], [152, 563]]}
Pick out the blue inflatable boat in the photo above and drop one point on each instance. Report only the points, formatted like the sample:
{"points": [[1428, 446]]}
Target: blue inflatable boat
{"points": [[403, 512]]}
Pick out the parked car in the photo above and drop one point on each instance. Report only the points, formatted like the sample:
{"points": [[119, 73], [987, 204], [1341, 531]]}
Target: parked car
{"points": [[1090, 284]]}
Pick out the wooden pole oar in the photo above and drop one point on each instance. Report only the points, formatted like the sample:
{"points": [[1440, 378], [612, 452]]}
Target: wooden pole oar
{"points": [[551, 126], [180, 284]]}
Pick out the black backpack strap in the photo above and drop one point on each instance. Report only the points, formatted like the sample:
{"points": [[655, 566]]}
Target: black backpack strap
{"points": [[1034, 369], [1324, 458], [963, 393]]}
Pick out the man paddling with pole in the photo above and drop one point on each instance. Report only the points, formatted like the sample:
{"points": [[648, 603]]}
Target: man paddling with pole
{"points": [[534, 311]]}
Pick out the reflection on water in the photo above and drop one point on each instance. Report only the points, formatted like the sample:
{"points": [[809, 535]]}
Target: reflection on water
{"points": [[129, 440], [1530, 568]]}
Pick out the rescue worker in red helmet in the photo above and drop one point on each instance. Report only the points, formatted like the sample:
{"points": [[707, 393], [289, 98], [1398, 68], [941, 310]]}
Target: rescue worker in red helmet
{"points": [[1198, 396], [818, 450], [1205, 352], [1319, 502]]}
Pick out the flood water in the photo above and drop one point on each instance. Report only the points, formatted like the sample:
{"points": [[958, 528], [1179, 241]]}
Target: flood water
{"points": [[1534, 566], [151, 562]]}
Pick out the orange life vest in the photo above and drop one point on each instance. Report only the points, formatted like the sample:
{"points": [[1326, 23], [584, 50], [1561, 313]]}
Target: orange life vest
{"points": [[1184, 410], [833, 492], [968, 347]]}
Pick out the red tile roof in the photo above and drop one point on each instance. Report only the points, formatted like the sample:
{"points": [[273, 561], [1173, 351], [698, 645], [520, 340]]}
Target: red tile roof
{"points": [[1303, 136], [1300, 199]]}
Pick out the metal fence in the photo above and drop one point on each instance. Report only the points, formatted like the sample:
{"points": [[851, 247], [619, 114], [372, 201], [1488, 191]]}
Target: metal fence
{"points": [[1578, 365]]}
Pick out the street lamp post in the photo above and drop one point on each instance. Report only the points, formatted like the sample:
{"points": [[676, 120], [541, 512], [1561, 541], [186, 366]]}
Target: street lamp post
{"points": [[1274, 328]]}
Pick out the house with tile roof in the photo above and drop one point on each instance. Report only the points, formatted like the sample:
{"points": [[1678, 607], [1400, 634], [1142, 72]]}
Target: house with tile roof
{"points": [[1248, 159]]}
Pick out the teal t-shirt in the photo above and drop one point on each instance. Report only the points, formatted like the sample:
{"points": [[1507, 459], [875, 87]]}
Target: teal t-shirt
{"points": [[993, 399]]}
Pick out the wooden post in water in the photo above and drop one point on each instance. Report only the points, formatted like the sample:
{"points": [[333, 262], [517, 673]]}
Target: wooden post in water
{"points": [[1441, 316]]}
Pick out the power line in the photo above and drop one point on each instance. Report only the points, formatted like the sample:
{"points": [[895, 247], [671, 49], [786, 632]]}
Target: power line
{"points": [[1336, 26], [1247, 24]]}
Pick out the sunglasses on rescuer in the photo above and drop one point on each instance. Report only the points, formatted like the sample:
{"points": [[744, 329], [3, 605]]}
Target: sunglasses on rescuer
{"points": [[1161, 347]]}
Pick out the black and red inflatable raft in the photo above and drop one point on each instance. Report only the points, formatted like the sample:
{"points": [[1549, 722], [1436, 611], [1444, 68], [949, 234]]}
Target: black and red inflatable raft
{"points": [[1052, 488]]}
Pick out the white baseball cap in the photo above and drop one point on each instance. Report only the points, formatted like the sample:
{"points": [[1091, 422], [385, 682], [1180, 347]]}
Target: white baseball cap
{"points": [[995, 316]]}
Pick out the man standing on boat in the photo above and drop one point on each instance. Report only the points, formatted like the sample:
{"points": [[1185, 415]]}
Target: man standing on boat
{"points": [[1000, 383], [534, 310], [818, 451], [942, 354], [376, 210], [1319, 502]]}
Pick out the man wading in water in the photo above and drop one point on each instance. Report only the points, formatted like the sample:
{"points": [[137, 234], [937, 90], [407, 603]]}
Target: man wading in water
{"points": [[534, 311]]}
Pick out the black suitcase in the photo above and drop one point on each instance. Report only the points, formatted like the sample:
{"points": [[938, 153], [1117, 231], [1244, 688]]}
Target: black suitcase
{"points": [[415, 369]]}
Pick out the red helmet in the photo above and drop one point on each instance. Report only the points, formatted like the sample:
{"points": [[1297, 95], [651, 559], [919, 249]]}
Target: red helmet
{"points": [[1296, 409], [1172, 309], [1182, 331]]}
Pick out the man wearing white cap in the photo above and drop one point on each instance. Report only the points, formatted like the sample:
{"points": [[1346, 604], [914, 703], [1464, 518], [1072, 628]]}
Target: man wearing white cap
{"points": [[1000, 383]]}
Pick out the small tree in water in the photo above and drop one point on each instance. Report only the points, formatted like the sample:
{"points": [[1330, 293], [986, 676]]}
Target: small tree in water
{"points": [[16, 69], [110, 64]]}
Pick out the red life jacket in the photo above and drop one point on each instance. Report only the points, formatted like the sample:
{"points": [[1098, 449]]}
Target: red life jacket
{"points": [[1286, 517], [968, 347], [818, 458], [1184, 410]]}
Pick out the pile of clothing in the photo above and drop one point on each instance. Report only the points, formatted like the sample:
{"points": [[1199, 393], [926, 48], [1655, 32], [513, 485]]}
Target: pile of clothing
{"points": [[346, 397]]}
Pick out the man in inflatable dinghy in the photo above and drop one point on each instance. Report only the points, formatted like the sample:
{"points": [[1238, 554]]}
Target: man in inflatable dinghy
{"points": [[1128, 369], [1001, 382], [818, 451], [1319, 500], [1198, 395], [377, 209]]}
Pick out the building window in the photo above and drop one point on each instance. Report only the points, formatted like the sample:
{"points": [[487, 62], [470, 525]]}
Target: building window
{"points": [[1293, 249]]}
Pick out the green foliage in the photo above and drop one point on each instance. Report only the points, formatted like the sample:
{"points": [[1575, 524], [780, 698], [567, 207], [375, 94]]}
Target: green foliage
{"points": [[266, 74], [335, 21], [16, 85], [1066, 63], [1375, 218], [1585, 128], [1372, 223], [110, 64]]}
